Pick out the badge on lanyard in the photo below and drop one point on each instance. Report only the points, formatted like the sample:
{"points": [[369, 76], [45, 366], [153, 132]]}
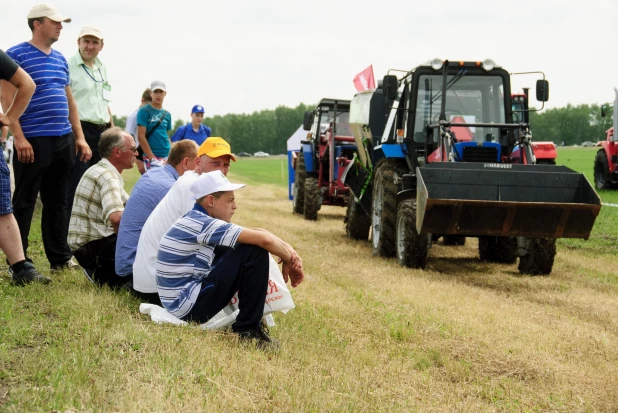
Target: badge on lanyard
{"points": [[107, 91]]}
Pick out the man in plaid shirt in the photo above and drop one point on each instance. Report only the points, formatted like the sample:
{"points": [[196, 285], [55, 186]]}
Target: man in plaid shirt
{"points": [[98, 206]]}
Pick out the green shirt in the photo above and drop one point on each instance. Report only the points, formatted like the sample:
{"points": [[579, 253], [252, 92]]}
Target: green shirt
{"points": [[88, 86]]}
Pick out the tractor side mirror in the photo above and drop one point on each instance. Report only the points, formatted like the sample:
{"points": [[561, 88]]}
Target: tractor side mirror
{"points": [[604, 110], [390, 85], [542, 90], [308, 120]]}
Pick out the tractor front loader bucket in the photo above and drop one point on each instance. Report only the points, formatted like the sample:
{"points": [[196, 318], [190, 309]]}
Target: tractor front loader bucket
{"points": [[486, 199]]}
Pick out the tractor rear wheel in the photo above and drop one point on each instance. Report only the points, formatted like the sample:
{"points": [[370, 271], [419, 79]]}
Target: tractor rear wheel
{"points": [[453, 240], [357, 222], [498, 249], [540, 257], [300, 174], [383, 208], [412, 247], [601, 171], [312, 199]]}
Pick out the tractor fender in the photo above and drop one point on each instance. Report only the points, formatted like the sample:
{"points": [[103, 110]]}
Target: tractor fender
{"points": [[309, 157]]}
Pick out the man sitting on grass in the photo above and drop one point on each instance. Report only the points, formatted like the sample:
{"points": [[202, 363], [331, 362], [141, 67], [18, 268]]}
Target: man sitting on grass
{"points": [[98, 206], [194, 286]]}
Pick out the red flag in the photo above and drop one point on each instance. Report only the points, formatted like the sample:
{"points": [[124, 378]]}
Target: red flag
{"points": [[364, 80]]}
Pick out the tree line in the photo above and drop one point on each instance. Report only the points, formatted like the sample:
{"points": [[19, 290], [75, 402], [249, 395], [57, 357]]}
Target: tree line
{"points": [[571, 125], [268, 130], [265, 130]]}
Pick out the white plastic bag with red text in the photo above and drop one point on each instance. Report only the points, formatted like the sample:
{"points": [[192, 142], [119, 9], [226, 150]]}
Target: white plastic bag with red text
{"points": [[278, 298]]}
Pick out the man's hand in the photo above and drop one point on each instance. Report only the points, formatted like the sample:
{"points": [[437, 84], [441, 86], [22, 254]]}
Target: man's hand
{"points": [[82, 146], [293, 270], [24, 150]]}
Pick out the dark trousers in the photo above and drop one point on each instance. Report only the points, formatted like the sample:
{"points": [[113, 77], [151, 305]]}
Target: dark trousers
{"points": [[49, 173], [243, 269], [92, 133], [98, 258]]}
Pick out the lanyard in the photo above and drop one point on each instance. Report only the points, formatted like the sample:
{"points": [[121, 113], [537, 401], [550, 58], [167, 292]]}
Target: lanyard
{"points": [[92, 77]]}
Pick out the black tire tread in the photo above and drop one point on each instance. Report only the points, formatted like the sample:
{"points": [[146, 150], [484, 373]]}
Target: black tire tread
{"points": [[412, 248], [601, 171], [298, 206], [357, 222], [540, 258], [312, 199], [384, 175]]}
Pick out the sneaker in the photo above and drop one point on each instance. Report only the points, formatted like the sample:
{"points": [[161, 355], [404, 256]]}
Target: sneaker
{"points": [[69, 265], [260, 335], [28, 275]]}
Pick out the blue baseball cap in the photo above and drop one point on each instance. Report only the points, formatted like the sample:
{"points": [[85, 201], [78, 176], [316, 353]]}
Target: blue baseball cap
{"points": [[198, 109]]}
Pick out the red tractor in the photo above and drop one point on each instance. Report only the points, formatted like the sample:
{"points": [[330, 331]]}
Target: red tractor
{"points": [[544, 152], [323, 157], [606, 161]]}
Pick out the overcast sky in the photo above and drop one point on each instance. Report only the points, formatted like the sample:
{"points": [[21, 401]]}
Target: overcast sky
{"points": [[242, 56]]}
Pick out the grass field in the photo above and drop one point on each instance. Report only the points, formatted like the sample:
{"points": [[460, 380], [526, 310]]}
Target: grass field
{"points": [[367, 335]]}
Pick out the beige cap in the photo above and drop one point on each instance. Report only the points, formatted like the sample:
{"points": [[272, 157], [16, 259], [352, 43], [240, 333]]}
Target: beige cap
{"points": [[47, 10], [90, 31]]}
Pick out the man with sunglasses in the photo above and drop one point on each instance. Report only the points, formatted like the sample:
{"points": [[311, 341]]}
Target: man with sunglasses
{"points": [[98, 205]]}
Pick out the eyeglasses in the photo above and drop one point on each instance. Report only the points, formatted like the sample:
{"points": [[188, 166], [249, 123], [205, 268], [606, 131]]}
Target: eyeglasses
{"points": [[132, 149]]}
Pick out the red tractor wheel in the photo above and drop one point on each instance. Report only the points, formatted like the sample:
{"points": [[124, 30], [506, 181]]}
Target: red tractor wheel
{"points": [[602, 178], [312, 199]]}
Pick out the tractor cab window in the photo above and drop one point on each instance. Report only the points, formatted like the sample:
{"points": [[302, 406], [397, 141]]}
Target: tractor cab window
{"points": [[469, 99], [343, 122]]}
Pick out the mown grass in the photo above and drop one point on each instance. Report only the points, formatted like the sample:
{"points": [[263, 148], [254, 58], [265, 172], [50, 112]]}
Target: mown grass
{"points": [[271, 170], [367, 335]]}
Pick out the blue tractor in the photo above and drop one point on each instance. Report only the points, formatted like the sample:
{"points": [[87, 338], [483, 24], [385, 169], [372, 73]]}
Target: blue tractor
{"points": [[435, 159]]}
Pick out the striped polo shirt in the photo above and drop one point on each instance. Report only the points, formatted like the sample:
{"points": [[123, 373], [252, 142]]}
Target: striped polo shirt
{"points": [[48, 111], [185, 257]]}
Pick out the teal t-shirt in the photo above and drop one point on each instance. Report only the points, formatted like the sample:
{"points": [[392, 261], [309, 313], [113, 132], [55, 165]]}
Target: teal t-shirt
{"points": [[159, 141]]}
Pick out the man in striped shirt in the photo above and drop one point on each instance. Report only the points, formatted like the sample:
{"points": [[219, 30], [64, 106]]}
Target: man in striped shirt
{"points": [[46, 136], [195, 285]]}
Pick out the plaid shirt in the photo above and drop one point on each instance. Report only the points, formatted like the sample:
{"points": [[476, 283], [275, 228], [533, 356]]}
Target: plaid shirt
{"points": [[99, 193]]}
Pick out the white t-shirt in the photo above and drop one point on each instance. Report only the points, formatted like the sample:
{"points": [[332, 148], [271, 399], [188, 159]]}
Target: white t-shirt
{"points": [[131, 125], [178, 201]]}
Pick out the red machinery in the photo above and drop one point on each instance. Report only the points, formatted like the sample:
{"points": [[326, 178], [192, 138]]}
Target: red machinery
{"points": [[606, 161]]}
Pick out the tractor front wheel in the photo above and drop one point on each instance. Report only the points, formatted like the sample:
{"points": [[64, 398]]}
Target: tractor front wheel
{"points": [[601, 171], [300, 174], [540, 257], [357, 222], [383, 208], [498, 249], [412, 247], [312, 199]]}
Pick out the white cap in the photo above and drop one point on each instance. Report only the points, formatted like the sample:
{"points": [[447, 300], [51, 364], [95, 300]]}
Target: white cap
{"points": [[157, 85], [90, 31], [47, 10], [212, 182]]}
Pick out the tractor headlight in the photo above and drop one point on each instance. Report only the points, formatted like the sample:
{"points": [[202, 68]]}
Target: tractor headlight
{"points": [[488, 64], [436, 64]]}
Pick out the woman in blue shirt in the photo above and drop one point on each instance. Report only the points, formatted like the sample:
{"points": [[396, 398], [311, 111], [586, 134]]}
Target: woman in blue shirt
{"points": [[194, 130]]}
